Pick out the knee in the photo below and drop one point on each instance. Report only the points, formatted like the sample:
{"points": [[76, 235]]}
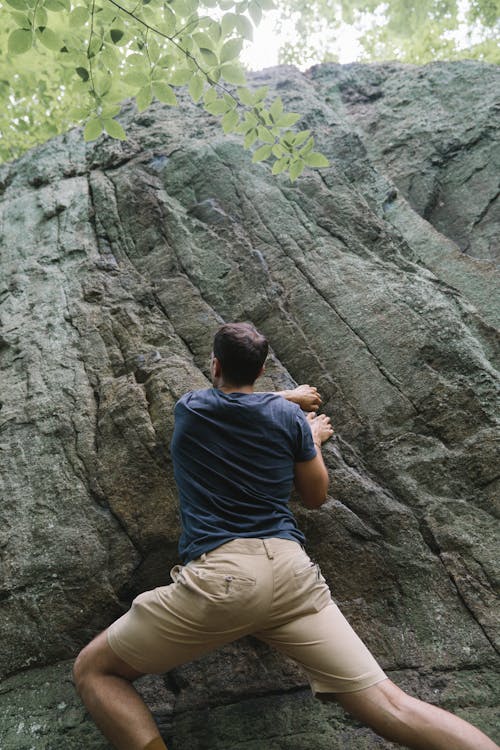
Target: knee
{"points": [[395, 701], [86, 666], [379, 705], [80, 670]]}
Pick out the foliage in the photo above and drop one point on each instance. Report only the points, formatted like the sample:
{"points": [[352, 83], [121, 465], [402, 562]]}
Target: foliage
{"points": [[394, 30], [72, 61]]}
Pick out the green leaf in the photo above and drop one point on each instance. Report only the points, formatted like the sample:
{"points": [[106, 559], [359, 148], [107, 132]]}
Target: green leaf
{"points": [[183, 8], [246, 96], [164, 93], [209, 57], [296, 169], [136, 79], [233, 74], [144, 98], [213, 76], [230, 121], [104, 16], [244, 26], [169, 21], [210, 96], [196, 87], [102, 82], [265, 134], [250, 120], [116, 35], [214, 31], [93, 129], [260, 94], [255, 12], [276, 109], [203, 40], [278, 151], [250, 138], [83, 73], [136, 60], [299, 138], [95, 45], [78, 17], [148, 15], [228, 23], [288, 119], [186, 43], [56, 5], [226, 4], [18, 4], [21, 20], [315, 159], [110, 58], [49, 38], [307, 148], [262, 153], [41, 17], [267, 4], [20, 41], [231, 50], [154, 50], [114, 129], [219, 107], [179, 77], [78, 113]]}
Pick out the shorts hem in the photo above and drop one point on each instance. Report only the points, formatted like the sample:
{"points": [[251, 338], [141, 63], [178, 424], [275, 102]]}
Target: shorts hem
{"points": [[362, 684], [120, 652]]}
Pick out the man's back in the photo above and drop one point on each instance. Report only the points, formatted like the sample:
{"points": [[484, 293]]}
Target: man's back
{"points": [[234, 456]]}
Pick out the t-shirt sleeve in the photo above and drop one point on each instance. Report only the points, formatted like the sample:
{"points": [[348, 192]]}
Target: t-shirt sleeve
{"points": [[305, 450]]}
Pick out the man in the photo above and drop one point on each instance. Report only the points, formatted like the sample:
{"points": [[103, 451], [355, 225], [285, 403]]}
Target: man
{"points": [[236, 454]]}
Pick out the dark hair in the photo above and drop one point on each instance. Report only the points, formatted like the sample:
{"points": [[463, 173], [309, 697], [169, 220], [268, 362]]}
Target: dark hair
{"points": [[241, 351]]}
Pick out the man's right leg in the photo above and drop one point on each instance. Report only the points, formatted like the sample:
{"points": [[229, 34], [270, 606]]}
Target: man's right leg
{"points": [[213, 601], [398, 717], [104, 683]]}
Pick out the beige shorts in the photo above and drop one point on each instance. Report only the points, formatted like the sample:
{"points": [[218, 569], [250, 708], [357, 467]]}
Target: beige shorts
{"points": [[267, 588]]}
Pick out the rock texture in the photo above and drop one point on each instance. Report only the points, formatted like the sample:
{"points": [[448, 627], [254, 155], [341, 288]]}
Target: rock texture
{"points": [[373, 279]]}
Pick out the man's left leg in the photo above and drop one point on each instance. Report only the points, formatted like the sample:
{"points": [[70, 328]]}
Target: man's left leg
{"points": [[399, 717], [340, 667], [104, 683]]}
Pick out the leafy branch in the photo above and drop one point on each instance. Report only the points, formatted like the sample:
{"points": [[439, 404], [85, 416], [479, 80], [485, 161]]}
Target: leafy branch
{"points": [[151, 49]]}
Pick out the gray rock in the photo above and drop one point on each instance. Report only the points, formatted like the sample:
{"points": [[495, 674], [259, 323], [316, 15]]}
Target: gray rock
{"points": [[373, 279]]}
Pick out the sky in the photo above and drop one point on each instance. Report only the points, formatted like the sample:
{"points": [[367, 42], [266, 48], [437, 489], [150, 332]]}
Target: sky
{"points": [[263, 52]]}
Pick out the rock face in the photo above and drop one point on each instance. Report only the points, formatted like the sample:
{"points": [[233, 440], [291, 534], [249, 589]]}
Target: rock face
{"points": [[118, 262]]}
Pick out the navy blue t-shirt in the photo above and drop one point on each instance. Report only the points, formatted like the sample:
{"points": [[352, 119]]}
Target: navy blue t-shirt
{"points": [[233, 456]]}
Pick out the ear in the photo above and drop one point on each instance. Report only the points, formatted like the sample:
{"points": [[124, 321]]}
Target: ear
{"points": [[216, 369]]}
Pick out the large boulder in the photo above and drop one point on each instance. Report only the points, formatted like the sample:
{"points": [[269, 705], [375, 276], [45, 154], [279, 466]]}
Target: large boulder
{"points": [[373, 279]]}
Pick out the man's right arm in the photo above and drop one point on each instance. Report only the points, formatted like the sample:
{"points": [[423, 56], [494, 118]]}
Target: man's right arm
{"points": [[311, 477]]}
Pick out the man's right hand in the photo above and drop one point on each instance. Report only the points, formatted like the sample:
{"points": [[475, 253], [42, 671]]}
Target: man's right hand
{"points": [[306, 396]]}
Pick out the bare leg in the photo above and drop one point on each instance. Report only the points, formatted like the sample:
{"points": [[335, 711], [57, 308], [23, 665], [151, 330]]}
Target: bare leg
{"points": [[410, 722], [103, 681]]}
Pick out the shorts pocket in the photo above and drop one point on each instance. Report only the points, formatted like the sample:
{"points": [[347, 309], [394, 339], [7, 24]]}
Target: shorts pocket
{"points": [[311, 585], [213, 585]]}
